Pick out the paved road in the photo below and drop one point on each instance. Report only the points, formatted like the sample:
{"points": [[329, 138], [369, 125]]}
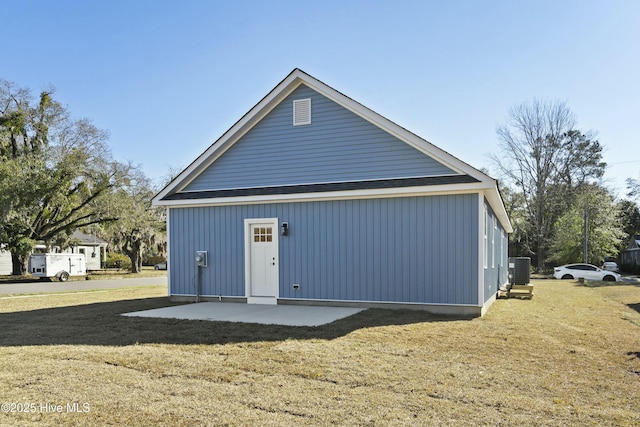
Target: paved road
{"points": [[78, 285]]}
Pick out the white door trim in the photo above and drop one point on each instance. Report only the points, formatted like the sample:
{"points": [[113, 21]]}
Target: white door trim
{"points": [[247, 260]]}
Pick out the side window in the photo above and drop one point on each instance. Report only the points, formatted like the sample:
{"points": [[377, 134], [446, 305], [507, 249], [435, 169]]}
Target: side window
{"points": [[501, 245], [493, 242], [486, 243], [583, 267]]}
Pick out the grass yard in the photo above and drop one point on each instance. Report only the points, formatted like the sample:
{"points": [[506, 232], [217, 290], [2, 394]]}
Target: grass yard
{"points": [[569, 356]]}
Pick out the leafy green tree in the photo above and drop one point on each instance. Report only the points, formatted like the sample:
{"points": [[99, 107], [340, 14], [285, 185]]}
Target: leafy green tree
{"points": [[26, 125], [630, 219], [605, 231], [140, 225], [54, 172], [545, 159]]}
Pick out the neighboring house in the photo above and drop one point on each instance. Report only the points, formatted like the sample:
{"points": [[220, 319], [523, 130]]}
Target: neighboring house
{"points": [[6, 267], [630, 258], [312, 198], [93, 247]]}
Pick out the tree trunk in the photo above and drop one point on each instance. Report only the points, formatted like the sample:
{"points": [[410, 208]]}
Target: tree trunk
{"points": [[136, 260], [19, 264], [541, 255], [134, 252]]}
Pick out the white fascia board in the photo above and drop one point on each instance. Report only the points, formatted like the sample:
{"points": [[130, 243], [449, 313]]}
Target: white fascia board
{"points": [[394, 129], [496, 203], [168, 260], [281, 91], [272, 99], [430, 190], [326, 182], [241, 127]]}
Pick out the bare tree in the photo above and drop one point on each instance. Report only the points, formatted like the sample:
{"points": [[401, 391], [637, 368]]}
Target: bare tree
{"points": [[633, 185], [545, 158]]}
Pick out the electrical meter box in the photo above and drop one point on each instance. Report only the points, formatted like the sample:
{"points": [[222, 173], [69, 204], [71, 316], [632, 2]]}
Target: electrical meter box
{"points": [[201, 258]]}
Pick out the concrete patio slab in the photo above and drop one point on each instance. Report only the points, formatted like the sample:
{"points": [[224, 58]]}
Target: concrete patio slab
{"points": [[288, 315]]}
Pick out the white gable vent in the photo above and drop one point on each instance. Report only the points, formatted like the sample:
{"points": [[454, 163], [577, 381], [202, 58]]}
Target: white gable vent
{"points": [[302, 112]]}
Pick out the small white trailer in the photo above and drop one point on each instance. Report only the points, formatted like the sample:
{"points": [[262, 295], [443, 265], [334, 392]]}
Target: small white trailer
{"points": [[57, 265]]}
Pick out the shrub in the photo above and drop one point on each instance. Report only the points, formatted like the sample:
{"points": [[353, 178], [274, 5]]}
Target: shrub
{"points": [[153, 260], [115, 260]]}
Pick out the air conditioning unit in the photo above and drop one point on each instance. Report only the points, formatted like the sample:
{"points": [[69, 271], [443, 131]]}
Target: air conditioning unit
{"points": [[519, 270]]}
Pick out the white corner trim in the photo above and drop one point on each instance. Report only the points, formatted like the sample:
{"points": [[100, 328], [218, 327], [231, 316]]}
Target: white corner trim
{"points": [[168, 212], [481, 248]]}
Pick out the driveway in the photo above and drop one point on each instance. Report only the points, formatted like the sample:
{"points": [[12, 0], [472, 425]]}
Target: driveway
{"points": [[77, 285]]}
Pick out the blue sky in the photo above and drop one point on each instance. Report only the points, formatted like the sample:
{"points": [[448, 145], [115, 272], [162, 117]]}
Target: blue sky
{"points": [[167, 78]]}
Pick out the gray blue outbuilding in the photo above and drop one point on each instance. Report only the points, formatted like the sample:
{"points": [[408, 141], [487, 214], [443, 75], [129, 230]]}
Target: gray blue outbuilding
{"points": [[313, 198]]}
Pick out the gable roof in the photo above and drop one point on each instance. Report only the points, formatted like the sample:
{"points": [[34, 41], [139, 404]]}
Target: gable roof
{"points": [[87, 239], [171, 195]]}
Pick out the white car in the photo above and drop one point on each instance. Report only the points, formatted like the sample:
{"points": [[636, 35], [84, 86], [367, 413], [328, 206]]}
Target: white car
{"points": [[585, 271], [610, 265]]}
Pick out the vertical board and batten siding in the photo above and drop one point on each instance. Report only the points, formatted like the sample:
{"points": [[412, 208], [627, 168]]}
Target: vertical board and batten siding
{"points": [[408, 249], [497, 272], [337, 146]]}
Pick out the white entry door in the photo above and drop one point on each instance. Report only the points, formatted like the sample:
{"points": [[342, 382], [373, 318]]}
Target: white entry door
{"points": [[262, 260]]}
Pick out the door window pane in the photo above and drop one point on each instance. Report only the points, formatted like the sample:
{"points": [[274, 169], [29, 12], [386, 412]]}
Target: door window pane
{"points": [[263, 234]]}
